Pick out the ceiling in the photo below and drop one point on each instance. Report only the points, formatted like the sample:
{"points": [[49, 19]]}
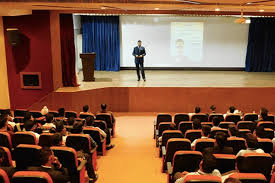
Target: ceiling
{"points": [[198, 7]]}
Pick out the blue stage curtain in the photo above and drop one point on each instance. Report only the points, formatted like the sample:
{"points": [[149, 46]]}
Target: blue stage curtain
{"points": [[260, 55], [100, 34]]}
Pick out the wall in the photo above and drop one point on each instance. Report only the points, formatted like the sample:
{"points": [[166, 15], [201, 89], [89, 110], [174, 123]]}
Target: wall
{"points": [[4, 92], [32, 55]]}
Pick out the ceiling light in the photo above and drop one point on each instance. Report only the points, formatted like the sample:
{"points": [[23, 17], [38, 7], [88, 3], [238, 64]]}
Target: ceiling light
{"points": [[248, 3], [217, 9], [103, 8], [156, 8], [261, 10]]}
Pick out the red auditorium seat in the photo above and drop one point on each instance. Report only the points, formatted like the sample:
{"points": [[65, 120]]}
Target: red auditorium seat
{"points": [[4, 177], [250, 117], [266, 124], [45, 140], [249, 177], [31, 177], [203, 143], [18, 119], [95, 134], [236, 143], [26, 156], [202, 179], [180, 117], [19, 112], [207, 123], [184, 161], [7, 157], [233, 118], [243, 132], [225, 162], [226, 125], [213, 132], [173, 145], [55, 113], [5, 140], [168, 134], [266, 145], [69, 114], [108, 119], [185, 125], [84, 116], [247, 125], [193, 134], [161, 117], [201, 117], [162, 127], [268, 133], [24, 138], [82, 142], [218, 115], [36, 114], [68, 158], [100, 124], [270, 118]]}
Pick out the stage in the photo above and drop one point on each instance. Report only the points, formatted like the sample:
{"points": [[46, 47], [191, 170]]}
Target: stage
{"points": [[176, 78]]}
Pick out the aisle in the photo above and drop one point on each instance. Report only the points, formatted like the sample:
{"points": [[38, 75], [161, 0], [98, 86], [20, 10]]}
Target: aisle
{"points": [[134, 159]]}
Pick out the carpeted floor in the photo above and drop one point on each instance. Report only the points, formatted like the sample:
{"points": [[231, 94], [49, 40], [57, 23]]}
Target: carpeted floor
{"points": [[135, 157]]}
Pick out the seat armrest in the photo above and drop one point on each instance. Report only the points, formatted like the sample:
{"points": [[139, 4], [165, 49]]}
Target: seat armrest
{"points": [[81, 165], [93, 150], [157, 132], [163, 150], [169, 168]]}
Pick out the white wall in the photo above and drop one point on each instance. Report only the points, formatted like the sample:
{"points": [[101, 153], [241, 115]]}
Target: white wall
{"points": [[223, 42]]}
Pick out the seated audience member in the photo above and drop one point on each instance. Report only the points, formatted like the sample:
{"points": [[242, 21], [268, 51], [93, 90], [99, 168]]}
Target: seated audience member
{"points": [[44, 111], [51, 165], [8, 169], [204, 134], [57, 139], [216, 121], [259, 131], [233, 131], [10, 117], [196, 124], [28, 116], [104, 110], [70, 121], [220, 145], [196, 111], [86, 110], [232, 180], [49, 122], [251, 144], [4, 125], [232, 110], [62, 130], [30, 126], [213, 109], [78, 129], [263, 114], [61, 112], [171, 127], [207, 167]]}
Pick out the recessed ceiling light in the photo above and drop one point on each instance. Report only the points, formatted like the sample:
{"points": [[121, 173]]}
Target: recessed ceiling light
{"points": [[261, 10], [248, 3], [156, 8], [103, 8], [217, 9]]}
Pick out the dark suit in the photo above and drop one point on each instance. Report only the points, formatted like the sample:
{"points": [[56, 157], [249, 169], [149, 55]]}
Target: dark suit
{"points": [[139, 51], [58, 175], [218, 150]]}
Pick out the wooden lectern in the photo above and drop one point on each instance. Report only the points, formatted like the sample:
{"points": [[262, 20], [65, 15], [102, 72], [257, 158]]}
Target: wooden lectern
{"points": [[88, 66]]}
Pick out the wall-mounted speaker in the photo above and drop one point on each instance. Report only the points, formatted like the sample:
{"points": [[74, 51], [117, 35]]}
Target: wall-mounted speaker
{"points": [[13, 36]]}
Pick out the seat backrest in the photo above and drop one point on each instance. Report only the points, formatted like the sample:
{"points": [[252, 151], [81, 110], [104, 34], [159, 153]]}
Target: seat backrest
{"points": [[270, 118], [243, 132], [4, 177], [226, 125], [225, 162], [69, 114], [185, 125], [24, 138], [5, 140], [18, 119], [79, 142], [27, 155], [94, 133], [256, 163], [250, 117], [236, 143], [218, 115], [162, 127], [55, 113], [36, 114], [19, 112], [233, 118], [207, 123], [268, 133], [249, 177], [179, 117], [174, 145], [45, 140], [266, 145], [105, 117], [202, 179], [84, 116], [168, 134], [7, 161], [193, 134], [214, 131], [100, 124], [201, 117], [266, 124], [31, 176], [246, 125], [186, 161], [201, 144]]}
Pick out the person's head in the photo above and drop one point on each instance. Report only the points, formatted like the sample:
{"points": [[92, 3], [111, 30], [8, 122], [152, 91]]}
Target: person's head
{"points": [[85, 108], [172, 126], [196, 124], [206, 129], [61, 112], [197, 109], [232, 180], [209, 163], [28, 116], [77, 127], [90, 121], [46, 156], [3, 121], [264, 113], [44, 111], [252, 141], [70, 121], [232, 109], [213, 108], [260, 131], [28, 125], [57, 139], [103, 107], [139, 42], [216, 121], [221, 139], [233, 131], [59, 127], [49, 118]]}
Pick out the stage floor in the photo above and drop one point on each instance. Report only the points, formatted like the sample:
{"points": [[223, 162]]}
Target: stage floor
{"points": [[176, 78]]}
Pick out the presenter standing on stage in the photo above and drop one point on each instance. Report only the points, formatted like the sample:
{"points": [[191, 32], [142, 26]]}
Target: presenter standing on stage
{"points": [[139, 53]]}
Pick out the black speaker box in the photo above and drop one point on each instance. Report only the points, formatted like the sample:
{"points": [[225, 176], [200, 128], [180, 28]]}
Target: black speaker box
{"points": [[13, 36]]}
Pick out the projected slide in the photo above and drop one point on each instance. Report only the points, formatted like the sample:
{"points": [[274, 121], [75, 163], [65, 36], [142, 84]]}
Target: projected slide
{"points": [[186, 41]]}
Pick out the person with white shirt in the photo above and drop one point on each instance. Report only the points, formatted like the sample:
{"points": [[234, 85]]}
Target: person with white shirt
{"points": [[207, 167], [216, 121], [197, 111], [232, 110], [29, 126], [204, 134], [252, 146], [49, 122]]}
